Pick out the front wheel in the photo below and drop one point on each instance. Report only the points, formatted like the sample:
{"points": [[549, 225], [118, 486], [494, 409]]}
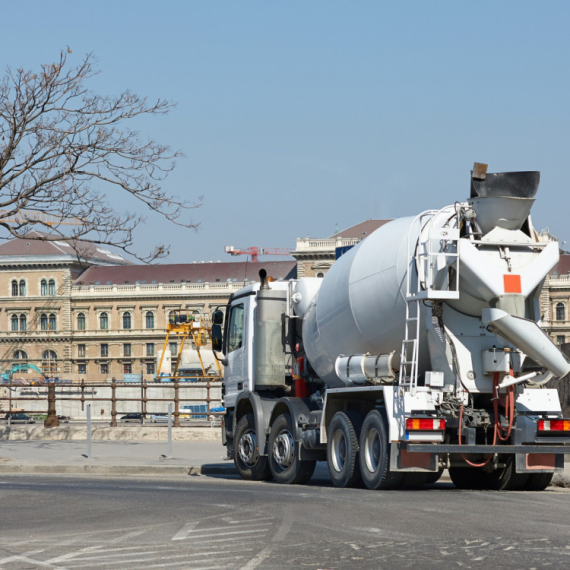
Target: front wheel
{"points": [[284, 462], [249, 464]]}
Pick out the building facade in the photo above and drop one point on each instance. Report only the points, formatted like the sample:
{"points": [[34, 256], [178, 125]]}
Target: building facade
{"points": [[102, 317], [555, 302]]}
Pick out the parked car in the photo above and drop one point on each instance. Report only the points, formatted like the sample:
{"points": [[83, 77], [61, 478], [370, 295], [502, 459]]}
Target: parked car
{"points": [[64, 419], [132, 418], [18, 418], [159, 418]]}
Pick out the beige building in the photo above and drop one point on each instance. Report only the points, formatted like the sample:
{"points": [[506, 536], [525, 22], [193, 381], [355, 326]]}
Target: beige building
{"points": [[555, 302], [103, 317], [315, 256]]}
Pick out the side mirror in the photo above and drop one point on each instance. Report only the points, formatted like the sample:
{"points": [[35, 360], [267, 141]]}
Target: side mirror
{"points": [[218, 317], [217, 339]]}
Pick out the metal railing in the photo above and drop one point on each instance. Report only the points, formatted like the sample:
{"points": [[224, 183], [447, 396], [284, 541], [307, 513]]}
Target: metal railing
{"points": [[86, 392]]}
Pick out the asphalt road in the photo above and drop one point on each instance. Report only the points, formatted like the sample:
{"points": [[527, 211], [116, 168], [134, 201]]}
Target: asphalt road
{"points": [[204, 523]]}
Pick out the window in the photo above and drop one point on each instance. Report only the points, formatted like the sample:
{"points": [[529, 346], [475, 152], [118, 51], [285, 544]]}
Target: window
{"points": [[560, 312], [49, 365], [14, 322], [105, 350], [560, 339], [44, 322], [20, 355], [81, 350], [104, 368], [320, 274], [23, 323], [150, 320], [22, 288], [150, 349], [127, 368], [236, 328], [52, 323], [104, 321], [173, 348], [82, 368], [127, 320], [81, 321], [43, 288], [14, 288], [127, 349], [150, 367], [51, 287]]}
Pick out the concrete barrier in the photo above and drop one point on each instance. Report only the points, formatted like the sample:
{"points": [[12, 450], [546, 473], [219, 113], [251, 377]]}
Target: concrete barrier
{"points": [[100, 433]]}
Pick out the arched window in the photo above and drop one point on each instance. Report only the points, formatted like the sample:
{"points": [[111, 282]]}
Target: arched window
{"points": [[320, 274], [14, 288], [14, 322], [22, 288], [43, 288], [81, 321], [150, 320], [52, 322], [44, 322], [104, 321], [20, 355], [23, 323], [560, 312], [51, 287], [49, 364], [127, 320]]}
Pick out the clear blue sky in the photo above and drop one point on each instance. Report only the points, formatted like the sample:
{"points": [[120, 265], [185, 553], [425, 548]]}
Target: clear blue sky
{"points": [[295, 116]]}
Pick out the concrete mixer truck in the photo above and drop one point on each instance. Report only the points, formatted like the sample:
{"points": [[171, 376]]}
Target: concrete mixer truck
{"points": [[419, 351]]}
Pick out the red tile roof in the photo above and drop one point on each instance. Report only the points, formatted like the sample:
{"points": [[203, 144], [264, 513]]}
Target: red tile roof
{"points": [[563, 266], [361, 230], [31, 245], [186, 272]]}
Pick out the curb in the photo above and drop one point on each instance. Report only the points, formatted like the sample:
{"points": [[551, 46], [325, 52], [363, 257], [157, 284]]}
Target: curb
{"points": [[212, 469]]}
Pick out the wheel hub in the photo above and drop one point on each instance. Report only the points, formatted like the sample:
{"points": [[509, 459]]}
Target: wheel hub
{"points": [[283, 449], [338, 451], [372, 450], [247, 447]]}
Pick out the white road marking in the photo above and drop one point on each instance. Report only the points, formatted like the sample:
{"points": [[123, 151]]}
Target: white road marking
{"points": [[185, 531], [216, 534], [146, 560], [232, 521], [93, 548], [258, 559]]}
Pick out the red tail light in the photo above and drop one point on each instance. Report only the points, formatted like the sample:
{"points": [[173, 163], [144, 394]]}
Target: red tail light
{"points": [[425, 424], [554, 425]]}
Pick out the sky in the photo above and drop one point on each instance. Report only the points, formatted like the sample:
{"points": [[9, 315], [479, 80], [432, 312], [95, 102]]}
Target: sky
{"points": [[300, 117]]}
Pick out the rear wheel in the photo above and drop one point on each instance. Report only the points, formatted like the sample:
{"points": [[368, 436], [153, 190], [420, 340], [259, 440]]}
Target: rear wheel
{"points": [[468, 478], [249, 464], [538, 481], [375, 454], [434, 477], [505, 478], [342, 449], [284, 462]]}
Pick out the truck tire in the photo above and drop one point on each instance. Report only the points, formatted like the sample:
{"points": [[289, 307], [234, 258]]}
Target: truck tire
{"points": [[374, 455], [342, 449], [434, 477], [505, 479], [538, 481], [249, 464], [467, 478], [284, 462]]}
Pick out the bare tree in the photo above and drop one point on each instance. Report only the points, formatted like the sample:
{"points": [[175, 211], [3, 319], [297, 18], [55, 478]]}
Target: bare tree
{"points": [[62, 148]]}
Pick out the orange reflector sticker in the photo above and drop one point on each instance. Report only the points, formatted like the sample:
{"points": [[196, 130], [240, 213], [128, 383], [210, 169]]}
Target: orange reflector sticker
{"points": [[512, 284]]}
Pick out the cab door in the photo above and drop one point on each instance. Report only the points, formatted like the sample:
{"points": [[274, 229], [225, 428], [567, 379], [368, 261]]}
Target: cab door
{"points": [[236, 368]]}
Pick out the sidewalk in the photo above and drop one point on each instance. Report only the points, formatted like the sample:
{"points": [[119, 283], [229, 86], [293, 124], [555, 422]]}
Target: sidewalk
{"points": [[114, 457], [135, 458]]}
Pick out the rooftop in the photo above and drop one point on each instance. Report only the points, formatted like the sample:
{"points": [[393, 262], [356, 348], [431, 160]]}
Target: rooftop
{"points": [[40, 244], [360, 230], [186, 273], [563, 267]]}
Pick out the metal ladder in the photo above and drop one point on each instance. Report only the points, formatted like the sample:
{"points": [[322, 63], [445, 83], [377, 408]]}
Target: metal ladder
{"points": [[409, 356]]}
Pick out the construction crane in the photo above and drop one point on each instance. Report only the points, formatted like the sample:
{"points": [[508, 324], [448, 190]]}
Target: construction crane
{"points": [[255, 251]]}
